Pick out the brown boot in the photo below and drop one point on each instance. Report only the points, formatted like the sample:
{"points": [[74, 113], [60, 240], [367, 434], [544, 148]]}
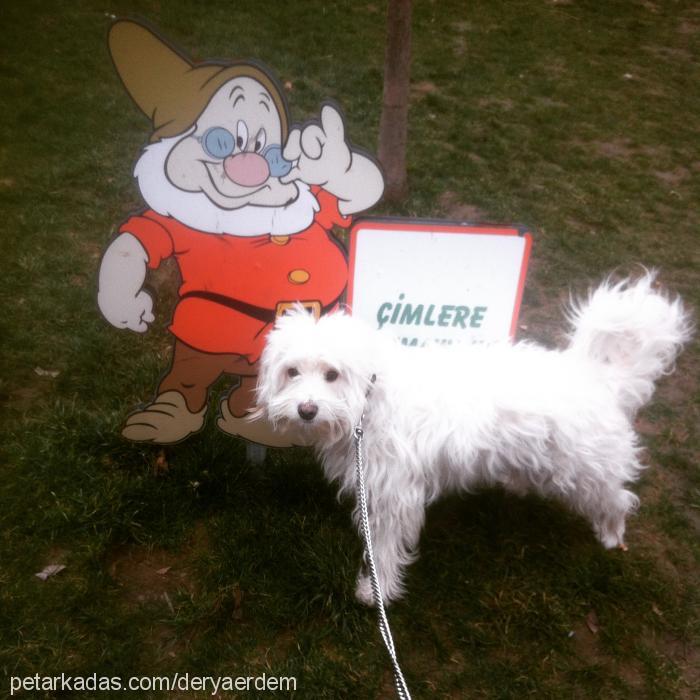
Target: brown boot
{"points": [[241, 399], [165, 421]]}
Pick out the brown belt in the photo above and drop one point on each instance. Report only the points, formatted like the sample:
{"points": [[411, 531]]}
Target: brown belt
{"points": [[258, 312]]}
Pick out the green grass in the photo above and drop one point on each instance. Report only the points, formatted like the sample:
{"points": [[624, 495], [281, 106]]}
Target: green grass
{"points": [[576, 118]]}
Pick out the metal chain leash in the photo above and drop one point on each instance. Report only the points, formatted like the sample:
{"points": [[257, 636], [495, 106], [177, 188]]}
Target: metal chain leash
{"points": [[385, 631]]}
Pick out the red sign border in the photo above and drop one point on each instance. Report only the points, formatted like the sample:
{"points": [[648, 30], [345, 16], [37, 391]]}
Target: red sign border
{"points": [[430, 226]]}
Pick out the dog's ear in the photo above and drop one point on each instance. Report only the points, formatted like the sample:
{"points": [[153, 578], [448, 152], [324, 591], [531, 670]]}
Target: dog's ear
{"points": [[291, 333], [298, 317], [271, 361]]}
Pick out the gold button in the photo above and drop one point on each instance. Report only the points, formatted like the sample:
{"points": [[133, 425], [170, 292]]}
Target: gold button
{"points": [[280, 240], [298, 276]]}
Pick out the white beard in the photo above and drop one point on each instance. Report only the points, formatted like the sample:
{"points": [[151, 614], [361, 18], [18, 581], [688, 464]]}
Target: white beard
{"points": [[196, 210]]}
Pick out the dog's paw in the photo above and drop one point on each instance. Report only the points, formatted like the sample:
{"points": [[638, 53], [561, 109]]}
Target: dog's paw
{"points": [[363, 591]]}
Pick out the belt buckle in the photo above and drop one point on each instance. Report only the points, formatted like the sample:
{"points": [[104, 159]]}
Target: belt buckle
{"points": [[313, 307]]}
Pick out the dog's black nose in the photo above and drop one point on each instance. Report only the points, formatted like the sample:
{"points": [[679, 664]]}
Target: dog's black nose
{"points": [[307, 410]]}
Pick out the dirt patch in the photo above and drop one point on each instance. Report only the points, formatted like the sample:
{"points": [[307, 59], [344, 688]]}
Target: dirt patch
{"points": [[586, 643], [147, 574], [462, 26], [668, 53], [23, 398], [624, 149], [90, 249], [549, 103], [150, 574], [619, 149], [78, 280], [456, 210], [673, 178], [632, 673], [688, 659], [425, 87], [685, 657], [501, 104], [268, 655], [687, 28], [157, 576]]}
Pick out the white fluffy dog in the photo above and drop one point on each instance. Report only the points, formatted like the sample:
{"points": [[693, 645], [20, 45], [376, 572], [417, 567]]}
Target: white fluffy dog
{"points": [[439, 419]]}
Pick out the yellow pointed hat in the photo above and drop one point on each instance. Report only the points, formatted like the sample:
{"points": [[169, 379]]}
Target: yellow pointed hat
{"points": [[171, 90]]}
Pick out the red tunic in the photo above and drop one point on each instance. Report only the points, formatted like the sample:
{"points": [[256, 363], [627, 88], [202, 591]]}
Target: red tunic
{"points": [[260, 271]]}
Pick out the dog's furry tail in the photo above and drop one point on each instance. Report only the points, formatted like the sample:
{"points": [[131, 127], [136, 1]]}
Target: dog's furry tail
{"points": [[634, 329]]}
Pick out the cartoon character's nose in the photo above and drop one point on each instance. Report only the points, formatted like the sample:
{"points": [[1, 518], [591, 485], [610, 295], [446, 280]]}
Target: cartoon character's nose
{"points": [[307, 410], [247, 169]]}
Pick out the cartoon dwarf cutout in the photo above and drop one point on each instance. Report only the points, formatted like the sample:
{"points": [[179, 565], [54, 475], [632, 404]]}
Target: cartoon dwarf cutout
{"points": [[246, 207]]}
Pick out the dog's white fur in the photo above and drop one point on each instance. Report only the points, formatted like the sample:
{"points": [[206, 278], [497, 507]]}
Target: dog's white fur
{"points": [[439, 419]]}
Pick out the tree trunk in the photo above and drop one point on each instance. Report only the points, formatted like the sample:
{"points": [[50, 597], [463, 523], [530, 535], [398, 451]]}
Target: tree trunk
{"points": [[393, 124]]}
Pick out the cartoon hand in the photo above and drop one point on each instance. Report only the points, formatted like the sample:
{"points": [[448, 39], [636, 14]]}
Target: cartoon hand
{"points": [[134, 313], [320, 150], [122, 273]]}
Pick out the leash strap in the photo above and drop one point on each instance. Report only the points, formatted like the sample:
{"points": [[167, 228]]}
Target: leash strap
{"points": [[384, 629]]}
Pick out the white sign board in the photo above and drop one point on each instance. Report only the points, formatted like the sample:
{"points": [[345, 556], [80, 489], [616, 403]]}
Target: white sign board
{"points": [[438, 281]]}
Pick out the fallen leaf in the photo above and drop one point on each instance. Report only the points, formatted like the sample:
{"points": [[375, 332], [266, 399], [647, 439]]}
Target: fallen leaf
{"points": [[237, 600], [592, 622], [50, 570], [161, 465], [46, 372]]}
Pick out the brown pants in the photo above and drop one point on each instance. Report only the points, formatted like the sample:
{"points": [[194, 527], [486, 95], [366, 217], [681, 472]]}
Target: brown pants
{"points": [[192, 372]]}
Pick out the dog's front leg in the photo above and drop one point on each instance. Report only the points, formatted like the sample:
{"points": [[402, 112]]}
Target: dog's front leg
{"points": [[395, 521]]}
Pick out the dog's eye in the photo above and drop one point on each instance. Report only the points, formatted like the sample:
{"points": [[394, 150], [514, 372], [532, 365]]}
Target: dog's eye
{"points": [[292, 372], [331, 375]]}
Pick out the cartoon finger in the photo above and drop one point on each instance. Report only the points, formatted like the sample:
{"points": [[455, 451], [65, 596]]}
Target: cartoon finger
{"points": [[144, 302], [147, 301], [332, 123], [135, 324], [312, 141], [293, 148]]}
